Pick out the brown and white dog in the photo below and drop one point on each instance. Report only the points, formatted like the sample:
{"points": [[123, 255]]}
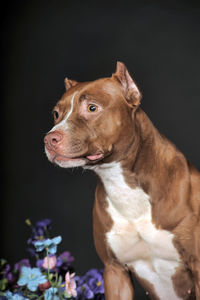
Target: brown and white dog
{"points": [[147, 206]]}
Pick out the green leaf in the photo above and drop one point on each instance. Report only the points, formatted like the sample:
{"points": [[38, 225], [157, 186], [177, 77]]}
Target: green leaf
{"points": [[59, 280], [51, 275], [2, 262], [67, 295], [3, 284]]}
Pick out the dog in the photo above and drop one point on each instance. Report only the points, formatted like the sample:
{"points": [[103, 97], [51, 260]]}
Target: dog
{"points": [[146, 216]]}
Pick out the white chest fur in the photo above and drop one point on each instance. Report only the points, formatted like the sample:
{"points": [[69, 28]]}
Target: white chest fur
{"points": [[133, 237]]}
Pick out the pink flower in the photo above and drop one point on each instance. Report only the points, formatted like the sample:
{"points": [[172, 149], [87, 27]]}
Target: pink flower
{"points": [[49, 262], [70, 284]]}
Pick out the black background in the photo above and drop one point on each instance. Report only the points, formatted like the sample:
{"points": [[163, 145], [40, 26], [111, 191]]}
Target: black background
{"points": [[44, 41]]}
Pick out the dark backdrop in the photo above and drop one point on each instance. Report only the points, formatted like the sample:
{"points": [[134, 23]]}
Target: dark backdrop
{"points": [[42, 42]]}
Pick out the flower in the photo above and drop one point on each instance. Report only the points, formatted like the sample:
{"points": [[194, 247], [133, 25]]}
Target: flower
{"points": [[39, 232], [44, 286], [49, 262], [23, 262], [31, 277], [95, 281], [64, 259], [84, 292], [64, 262], [10, 296], [51, 244], [45, 223], [96, 285], [70, 284], [23, 281], [90, 285], [7, 273], [50, 294]]}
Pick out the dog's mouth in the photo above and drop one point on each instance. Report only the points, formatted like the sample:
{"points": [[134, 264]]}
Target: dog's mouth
{"points": [[91, 158], [65, 160]]}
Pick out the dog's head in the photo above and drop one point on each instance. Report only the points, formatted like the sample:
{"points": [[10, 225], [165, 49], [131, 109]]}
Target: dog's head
{"points": [[93, 121]]}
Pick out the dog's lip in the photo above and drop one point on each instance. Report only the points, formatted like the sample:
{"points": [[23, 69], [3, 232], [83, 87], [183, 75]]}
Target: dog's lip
{"points": [[60, 157], [89, 158], [85, 155], [95, 157]]}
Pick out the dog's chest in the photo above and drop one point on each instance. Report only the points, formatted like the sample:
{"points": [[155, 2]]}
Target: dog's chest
{"points": [[133, 238]]}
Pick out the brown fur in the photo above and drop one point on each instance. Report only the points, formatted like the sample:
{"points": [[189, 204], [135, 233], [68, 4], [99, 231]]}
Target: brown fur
{"points": [[122, 132]]}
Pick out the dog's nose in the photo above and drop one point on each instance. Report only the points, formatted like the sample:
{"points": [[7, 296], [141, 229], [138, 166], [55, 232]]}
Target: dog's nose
{"points": [[52, 139]]}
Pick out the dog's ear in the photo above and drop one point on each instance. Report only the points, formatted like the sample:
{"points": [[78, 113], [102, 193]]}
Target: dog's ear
{"points": [[128, 86], [70, 83]]}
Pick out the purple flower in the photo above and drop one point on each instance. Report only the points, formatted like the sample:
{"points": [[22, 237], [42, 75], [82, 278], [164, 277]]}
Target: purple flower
{"points": [[94, 272], [95, 281], [37, 280], [7, 273], [90, 285], [39, 263], [96, 285], [64, 261], [84, 292], [39, 232], [43, 223], [81, 280], [23, 262], [66, 257], [30, 250]]}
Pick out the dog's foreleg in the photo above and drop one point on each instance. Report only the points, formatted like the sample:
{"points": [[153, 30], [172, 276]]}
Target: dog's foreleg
{"points": [[195, 261], [117, 283]]}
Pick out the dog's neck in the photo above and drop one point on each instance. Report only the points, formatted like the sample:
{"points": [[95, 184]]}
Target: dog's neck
{"points": [[147, 149]]}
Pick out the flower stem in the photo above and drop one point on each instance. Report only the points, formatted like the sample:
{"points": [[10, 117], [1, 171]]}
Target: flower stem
{"points": [[48, 270]]}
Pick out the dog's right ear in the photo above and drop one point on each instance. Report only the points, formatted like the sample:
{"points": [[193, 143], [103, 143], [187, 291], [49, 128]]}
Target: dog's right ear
{"points": [[127, 84], [69, 83]]}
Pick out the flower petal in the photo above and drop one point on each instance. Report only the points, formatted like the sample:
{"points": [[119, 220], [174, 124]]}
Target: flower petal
{"points": [[22, 281], [57, 240], [52, 249], [67, 277]]}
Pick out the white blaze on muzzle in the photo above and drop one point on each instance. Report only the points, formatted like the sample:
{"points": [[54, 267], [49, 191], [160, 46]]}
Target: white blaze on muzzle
{"points": [[63, 124]]}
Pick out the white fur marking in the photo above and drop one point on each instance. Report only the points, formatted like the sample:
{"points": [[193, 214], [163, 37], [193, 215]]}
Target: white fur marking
{"points": [[133, 237], [72, 106], [120, 194], [63, 124]]}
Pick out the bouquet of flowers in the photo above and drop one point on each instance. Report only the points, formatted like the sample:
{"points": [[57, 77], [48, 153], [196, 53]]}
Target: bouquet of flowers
{"points": [[53, 276]]}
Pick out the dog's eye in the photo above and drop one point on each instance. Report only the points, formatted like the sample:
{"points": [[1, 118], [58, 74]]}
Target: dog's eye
{"points": [[55, 114], [92, 108]]}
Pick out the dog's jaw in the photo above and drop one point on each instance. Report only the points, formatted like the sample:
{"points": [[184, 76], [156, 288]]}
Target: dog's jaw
{"points": [[71, 162]]}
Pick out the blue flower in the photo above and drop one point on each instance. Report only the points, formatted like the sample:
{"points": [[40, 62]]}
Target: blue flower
{"points": [[50, 294], [39, 232], [31, 277], [10, 296], [51, 244]]}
